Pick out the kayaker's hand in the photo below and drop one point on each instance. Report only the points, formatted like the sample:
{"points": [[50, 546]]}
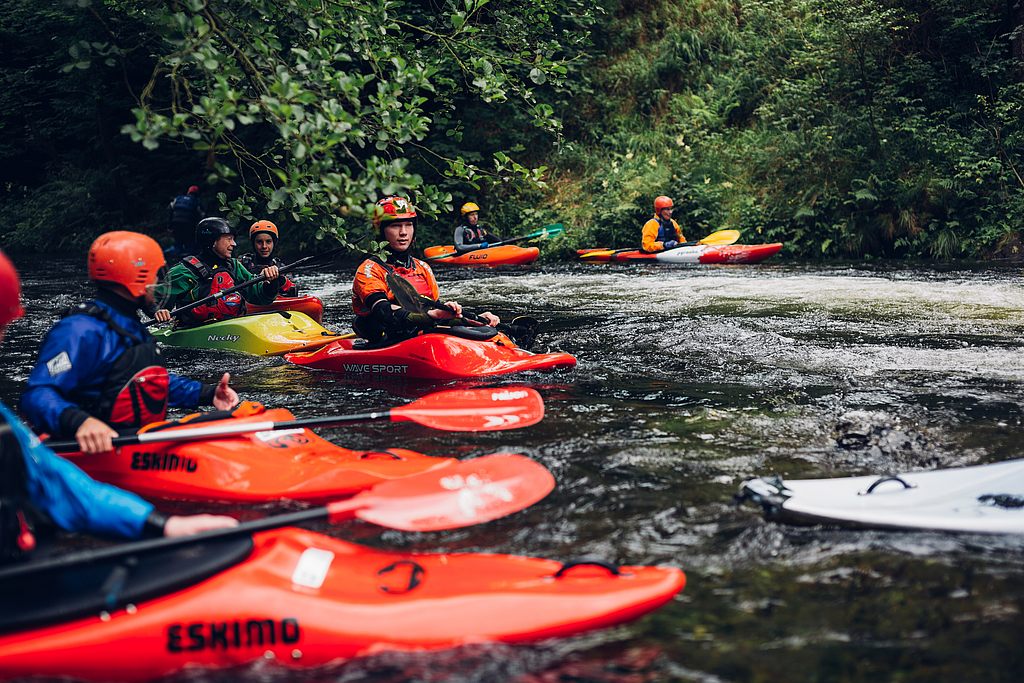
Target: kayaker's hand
{"points": [[671, 244], [483, 245], [94, 436], [490, 318], [225, 398], [162, 316], [178, 525], [438, 314], [270, 272]]}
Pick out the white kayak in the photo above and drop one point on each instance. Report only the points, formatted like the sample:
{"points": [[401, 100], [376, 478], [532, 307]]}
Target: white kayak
{"points": [[982, 498]]}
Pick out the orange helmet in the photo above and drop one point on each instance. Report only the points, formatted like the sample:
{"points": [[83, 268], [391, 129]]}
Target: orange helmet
{"points": [[662, 202], [129, 259], [393, 208], [263, 226], [10, 292]]}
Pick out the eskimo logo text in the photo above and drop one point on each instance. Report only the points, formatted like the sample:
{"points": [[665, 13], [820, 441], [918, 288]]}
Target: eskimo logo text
{"points": [[235, 634]]}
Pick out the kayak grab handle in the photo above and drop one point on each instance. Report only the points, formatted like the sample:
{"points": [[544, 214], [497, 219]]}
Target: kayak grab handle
{"points": [[883, 480], [587, 562], [374, 454]]}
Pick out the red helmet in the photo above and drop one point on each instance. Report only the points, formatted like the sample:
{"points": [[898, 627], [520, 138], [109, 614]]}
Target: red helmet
{"points": [[10, 292], [393, 208], [662, 202], [124, 258], [192, 189], [263, 226]]}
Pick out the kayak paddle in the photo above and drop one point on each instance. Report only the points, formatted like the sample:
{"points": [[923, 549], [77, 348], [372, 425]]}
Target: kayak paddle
{"points": [[454, 410], [719, 238], [544, 233], [411, 300], [465, 493], [248, 283]]}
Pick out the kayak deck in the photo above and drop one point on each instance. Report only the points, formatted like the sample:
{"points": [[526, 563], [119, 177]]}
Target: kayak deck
{"points": [[432, 357], [265, 334], [293, 464], [304, 599], [310, 305]]}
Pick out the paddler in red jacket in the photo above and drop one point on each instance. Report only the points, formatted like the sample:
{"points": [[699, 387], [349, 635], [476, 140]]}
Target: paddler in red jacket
{"points": [[36, 484], [661, 232], [378, 317]]}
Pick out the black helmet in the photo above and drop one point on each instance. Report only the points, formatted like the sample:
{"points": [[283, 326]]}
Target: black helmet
{"points": [[210, 229]]}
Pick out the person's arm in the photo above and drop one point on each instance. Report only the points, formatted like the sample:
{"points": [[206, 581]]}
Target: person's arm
{"points": [[649, 242], [679, 232], [183, 286], [461, 245], [70, 354], [262, 294], [184, 392]]}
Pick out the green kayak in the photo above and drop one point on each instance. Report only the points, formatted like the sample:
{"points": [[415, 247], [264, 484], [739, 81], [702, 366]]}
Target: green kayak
{"points": [[266, 334]]}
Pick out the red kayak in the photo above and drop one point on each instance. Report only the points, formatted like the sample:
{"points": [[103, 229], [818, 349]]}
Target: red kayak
{"points": [[310, 305], [293, 464], [301, 599], [701, 253], [431, 356]]}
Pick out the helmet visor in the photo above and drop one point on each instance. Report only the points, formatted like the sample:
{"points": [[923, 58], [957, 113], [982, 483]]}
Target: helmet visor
{"points": [[161, 289]]}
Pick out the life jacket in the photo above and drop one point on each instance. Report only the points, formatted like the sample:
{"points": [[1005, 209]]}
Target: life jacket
{"points": [[666, 231], [211, 281], [416, 276], [474, 235], [135, 390], [17, 538]]}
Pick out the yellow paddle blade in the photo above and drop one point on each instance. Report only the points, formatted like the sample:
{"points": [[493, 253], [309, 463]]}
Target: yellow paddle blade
{"points": [[598, 253], [721, 238]]}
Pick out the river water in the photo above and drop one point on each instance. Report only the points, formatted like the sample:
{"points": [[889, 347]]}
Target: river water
{"points": [[690, 380]]}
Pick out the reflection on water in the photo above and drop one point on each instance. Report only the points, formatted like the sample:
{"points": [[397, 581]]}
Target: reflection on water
{"points": [[690, 380]]}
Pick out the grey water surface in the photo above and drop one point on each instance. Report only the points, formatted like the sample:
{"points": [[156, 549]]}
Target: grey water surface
{"points": [[690, 380]]}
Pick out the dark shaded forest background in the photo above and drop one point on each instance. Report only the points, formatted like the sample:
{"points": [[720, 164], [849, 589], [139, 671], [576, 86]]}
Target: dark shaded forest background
{"points": [[844, 128]]}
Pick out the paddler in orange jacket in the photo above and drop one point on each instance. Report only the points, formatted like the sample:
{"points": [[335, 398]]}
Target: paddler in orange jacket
{"points": [[378, 316], [661, 232]]}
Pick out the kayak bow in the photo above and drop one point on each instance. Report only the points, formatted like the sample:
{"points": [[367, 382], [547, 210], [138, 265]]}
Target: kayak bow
{"points": [[266, 334]]}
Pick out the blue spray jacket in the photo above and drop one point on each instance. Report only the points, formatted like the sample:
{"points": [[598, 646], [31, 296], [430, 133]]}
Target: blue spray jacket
{"points": [[74, 500], [75, 359]]}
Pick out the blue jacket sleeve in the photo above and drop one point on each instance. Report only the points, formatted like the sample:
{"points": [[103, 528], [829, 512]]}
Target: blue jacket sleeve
{"points": [[74, 500], [186, 393], [71, 352]]}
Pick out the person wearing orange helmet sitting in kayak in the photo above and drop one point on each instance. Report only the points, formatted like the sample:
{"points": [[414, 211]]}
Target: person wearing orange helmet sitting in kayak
{"points": [[378, 317], [263, 236], [36, 482], [213, 270], [99, 369], [471, 235], [661, 232]]}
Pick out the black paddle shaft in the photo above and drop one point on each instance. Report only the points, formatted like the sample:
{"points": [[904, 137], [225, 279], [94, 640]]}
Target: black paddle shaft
{"points": [[140, 547]]}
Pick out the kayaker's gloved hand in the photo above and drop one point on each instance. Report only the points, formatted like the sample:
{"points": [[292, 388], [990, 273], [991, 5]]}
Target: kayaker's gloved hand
{"points": [[95, 436], [671, 244], [162, 316], [483, 245]]}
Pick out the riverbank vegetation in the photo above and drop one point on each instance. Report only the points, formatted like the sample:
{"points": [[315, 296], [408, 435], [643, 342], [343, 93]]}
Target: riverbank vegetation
{"points": [[849, 128]]}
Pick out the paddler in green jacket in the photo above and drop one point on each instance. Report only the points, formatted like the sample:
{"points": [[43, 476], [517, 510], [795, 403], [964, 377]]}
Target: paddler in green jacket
{"points": [[212, 271]]}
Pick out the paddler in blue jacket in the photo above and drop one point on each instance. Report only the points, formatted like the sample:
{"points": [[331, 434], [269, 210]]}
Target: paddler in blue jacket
{"points": [[34, 480], [99, 368]]}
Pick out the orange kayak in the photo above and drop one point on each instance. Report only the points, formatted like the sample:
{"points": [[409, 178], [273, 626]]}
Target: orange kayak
{"points": [[293, 464], [310, 305], [302, 599], [431, 356], [505, 255]]}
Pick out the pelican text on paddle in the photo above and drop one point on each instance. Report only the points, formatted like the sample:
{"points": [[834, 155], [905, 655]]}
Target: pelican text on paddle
{"points": [[368, 368]]}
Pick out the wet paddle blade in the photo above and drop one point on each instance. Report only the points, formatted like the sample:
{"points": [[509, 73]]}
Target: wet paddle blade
{"points": [[721, 238], [470, 492], [475, 410]]}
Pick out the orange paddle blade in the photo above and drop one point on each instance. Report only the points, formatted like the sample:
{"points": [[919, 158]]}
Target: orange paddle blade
{"points": [[469, 492]]}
